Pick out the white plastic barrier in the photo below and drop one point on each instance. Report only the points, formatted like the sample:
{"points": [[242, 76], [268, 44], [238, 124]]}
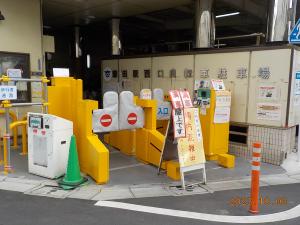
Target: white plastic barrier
{"points": [[107, 119], [130, 115], [163, 108]]}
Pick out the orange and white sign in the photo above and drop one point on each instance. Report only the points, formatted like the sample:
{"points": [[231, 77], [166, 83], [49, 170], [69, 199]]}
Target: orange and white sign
{"points": [[175, 99], [186, 99]]}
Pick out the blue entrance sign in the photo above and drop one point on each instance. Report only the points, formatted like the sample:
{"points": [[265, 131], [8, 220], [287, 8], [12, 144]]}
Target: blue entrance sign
{"points": [[295, 34]]}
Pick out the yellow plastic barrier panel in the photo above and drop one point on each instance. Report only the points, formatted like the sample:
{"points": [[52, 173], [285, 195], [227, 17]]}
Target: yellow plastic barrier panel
{"points": [[66, 100]]}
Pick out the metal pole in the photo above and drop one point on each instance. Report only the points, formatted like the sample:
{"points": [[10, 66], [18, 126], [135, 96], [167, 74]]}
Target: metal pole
{"points": [[26, 104], [298, 149], [45, 97], [7, 136]]}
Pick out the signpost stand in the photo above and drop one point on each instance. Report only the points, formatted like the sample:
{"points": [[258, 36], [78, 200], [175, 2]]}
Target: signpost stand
{"points": [[187, 134]]}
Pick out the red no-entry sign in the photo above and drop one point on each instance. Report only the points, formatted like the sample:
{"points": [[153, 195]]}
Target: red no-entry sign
{"points": [[106, 120], [132, 118]]}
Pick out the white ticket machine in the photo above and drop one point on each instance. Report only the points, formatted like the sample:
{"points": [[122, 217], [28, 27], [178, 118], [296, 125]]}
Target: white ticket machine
{"points": [[49, 139]]}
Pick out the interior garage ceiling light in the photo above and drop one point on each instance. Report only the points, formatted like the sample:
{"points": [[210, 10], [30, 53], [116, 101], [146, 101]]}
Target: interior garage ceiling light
{"points": [[228, 14]]}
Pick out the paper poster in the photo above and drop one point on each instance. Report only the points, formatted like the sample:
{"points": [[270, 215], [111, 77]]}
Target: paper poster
{"points": [[8, 92], [175, 99], [268, 111], [36, 90], [197, 85], [178, 123], [223, 99], [190, 148], [297, 100], [222, 115], [15, 73], [146, 94], [218, 85], [267, 92], [297, 84], [186, 99]]}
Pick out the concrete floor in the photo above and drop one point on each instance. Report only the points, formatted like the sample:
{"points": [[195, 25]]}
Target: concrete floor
{"points": [[127, 170]]}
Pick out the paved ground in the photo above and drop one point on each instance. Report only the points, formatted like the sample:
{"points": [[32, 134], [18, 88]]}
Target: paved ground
{"points": [[131, 179], [19, 209]]}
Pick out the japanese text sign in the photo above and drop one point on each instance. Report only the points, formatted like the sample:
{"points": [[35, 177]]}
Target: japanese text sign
{"points": [[176, 99], [8, 92], [190, 148], [178, 123], [186, 99]]}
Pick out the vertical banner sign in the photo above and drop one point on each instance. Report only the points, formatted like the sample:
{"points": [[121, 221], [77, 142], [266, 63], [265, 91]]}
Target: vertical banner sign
{"points": [[175, 99], [186, 99], [177, 114], [190, 148], [178, 123]]}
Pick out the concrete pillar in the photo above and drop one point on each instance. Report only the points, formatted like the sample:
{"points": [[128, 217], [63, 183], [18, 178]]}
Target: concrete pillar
{"points": [[205, 24], [281, 19], [115, 37]]}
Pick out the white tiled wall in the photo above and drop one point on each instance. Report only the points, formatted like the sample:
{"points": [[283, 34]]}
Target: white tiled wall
{"points": [[276, 142]]}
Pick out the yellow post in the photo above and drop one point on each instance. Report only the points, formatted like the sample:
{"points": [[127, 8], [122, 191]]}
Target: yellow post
{"points": [[1, 159], [14, 118], [5, 154]]}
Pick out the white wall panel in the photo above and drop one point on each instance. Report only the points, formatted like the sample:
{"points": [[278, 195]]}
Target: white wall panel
{"points": [[231, 63], [278, 63]]}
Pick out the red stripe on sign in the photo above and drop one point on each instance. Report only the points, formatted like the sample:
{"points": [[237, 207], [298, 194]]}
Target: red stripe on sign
{"points": [[255, 163], [256, 154], [132, 118], [106, 120]]}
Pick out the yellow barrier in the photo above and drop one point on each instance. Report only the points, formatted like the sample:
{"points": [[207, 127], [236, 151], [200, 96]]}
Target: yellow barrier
{"points": [[5, 161], [66, 101], [22, 123], [15, 130], [1, 143]]}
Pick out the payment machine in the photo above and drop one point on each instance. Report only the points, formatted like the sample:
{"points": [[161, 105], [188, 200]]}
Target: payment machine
{"points": [[49, 139], [214, 106]]}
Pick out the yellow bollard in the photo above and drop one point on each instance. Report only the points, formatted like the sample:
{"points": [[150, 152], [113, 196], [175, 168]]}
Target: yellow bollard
{"points": [[1, 159], [5, 154]]}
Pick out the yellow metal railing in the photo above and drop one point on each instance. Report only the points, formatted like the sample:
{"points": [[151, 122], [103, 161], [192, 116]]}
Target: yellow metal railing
{"points": [[23, 124]]}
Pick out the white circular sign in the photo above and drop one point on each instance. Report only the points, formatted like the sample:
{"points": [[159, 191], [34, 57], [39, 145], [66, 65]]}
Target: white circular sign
{"points": [[107, 74]]}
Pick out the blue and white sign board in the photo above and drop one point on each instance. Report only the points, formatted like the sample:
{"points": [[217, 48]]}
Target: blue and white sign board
{"points": [[295, 34], [8, 92], [164, 110], [297, 83]]}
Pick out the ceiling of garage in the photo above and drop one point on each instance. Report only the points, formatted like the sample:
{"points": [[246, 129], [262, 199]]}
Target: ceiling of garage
{"points": [[82, 12]]}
